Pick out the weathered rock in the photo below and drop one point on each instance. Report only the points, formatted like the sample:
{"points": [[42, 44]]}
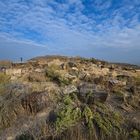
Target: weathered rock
{"points": [[100, 96], [69, 76], [82, 75], [113, 82], [39, 70], [70, 89], [72, 64], [14, 71], [52, 116], [91, 91]]}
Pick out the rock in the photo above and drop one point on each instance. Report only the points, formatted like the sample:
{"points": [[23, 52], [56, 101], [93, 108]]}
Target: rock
{"points": [[85, 88], [100, 96], [52, 117], [113, 82], [70, 89], [14, 72], [74, 71], [82, 75], [90, 92], [63, 66], [69, 76], [72, 64], [39, 70]]}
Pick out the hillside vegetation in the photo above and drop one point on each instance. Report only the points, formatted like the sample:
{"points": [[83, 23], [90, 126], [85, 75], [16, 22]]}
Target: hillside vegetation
{"points": [[61, 98]]}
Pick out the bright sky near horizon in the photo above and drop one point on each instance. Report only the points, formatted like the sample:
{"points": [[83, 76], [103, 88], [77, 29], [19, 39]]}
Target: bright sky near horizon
{"points": [[104, 29]]}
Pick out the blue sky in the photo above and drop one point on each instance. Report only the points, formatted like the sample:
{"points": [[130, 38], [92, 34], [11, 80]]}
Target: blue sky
{"points": [[104, 29]]}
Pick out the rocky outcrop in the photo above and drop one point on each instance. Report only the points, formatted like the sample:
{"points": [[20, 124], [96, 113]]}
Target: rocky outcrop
{"points": [[53, 98]]}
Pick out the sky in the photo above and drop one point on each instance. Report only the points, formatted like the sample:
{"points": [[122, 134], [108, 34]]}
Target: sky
{"points": [[103, 29]]}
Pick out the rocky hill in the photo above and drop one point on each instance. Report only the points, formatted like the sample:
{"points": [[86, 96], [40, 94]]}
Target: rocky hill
{"points": [[61, 98]]}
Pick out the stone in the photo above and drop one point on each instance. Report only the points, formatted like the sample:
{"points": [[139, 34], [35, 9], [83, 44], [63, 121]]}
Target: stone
{"points": [[39, 70], [70, 89], [52, 117], [87, 91], [14, 71], [72, 64], [100, 96], [82, 75]]}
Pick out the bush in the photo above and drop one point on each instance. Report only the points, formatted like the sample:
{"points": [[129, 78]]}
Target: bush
{"points": [[135, 134], [67, 115], [88, 115], [106, 120]]}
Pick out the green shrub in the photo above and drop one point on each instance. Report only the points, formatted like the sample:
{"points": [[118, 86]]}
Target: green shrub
{"points": [[88, 115], [68, 114], [135, 134], [106, 120]]}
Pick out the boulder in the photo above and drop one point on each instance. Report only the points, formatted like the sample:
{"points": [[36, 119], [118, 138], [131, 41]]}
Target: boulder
{"points": [[91, 92]]}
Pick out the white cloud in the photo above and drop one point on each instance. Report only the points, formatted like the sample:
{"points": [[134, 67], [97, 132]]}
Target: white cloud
{"points": [[57, 27]]}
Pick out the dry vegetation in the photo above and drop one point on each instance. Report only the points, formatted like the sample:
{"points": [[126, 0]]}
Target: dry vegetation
{"points": [[60, 98]]}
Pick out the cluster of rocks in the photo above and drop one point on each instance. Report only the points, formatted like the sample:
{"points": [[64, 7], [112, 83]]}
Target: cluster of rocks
{"points": [[37, 86]]}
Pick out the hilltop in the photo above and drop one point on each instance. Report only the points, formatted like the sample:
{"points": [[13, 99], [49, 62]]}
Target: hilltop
{"points": [[69, 98]]}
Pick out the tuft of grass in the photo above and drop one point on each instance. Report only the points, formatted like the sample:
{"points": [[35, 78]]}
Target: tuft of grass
{"points": [[107, 121], [88, 115], [135, 134]]}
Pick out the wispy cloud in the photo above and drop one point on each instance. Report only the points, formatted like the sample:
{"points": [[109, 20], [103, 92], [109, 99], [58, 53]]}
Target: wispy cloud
{"points": [[68, 25]]}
